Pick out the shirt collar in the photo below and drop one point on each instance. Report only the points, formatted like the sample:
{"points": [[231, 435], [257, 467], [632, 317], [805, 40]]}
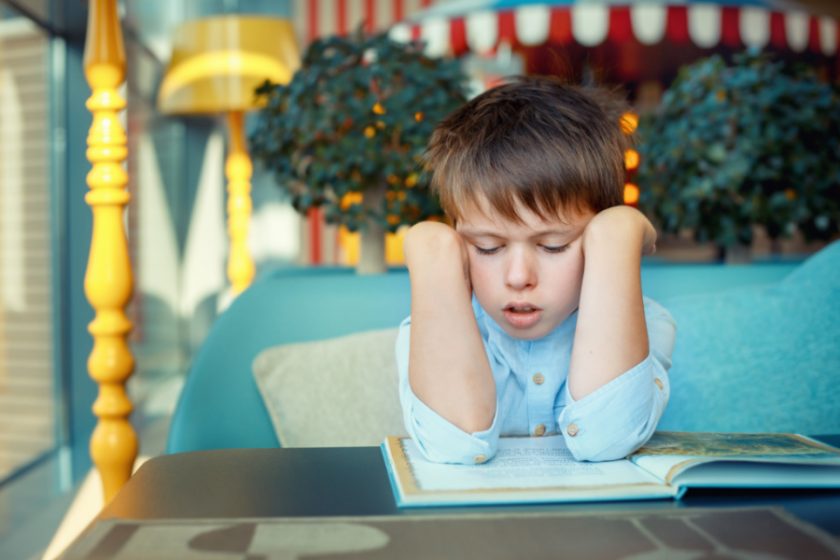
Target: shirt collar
{"points": [[516, 350]]}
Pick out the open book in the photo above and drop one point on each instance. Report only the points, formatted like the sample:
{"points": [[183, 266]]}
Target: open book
{"points": [[536, 470]]}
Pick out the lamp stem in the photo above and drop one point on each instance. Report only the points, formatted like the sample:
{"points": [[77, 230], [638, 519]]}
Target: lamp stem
{"points": [[108, 279], [238, 170]]}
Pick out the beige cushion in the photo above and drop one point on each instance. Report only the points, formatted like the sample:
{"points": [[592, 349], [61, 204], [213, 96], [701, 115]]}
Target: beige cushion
{"points": [[335, 392]]}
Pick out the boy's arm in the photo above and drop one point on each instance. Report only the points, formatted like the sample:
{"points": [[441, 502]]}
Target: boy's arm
{"points": [[611, 336], [448, 369]]}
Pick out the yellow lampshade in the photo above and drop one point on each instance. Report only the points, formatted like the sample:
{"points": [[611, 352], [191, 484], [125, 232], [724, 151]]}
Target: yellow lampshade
{"points": [[217, 63]]}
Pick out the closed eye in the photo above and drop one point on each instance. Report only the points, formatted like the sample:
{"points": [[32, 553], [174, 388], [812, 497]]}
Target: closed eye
{"points": [[487, 250], [554, 248]]}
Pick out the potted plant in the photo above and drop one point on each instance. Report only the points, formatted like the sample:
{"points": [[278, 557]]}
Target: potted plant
{"points": [[733, 146], [348, 132]]}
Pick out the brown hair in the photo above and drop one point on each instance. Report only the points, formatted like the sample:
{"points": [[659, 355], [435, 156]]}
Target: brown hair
{"points": [[534, 141]]}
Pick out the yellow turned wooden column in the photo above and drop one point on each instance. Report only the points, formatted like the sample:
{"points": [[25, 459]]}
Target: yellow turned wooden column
{"points": [[108, 283], [238, 170]]}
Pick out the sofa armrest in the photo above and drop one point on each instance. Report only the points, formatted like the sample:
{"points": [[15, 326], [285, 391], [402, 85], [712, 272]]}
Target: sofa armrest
{"points": [[220, 405]]}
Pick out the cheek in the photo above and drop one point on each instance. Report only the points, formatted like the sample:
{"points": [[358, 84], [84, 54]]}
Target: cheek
{"points": [[567, 275], [481, 276]]}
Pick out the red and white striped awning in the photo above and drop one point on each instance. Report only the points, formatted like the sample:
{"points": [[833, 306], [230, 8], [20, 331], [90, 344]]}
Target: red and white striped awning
{"points": [[321, 18], [480, 25]]}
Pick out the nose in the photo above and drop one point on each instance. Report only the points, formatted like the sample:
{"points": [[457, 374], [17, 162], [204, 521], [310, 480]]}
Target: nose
{"points": [[521, 271]]}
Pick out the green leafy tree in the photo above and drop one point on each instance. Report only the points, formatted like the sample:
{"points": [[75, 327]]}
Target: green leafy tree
{"points": [[348, 132], [755, 142]]}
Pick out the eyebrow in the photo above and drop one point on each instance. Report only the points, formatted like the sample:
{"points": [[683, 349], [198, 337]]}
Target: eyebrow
{"points": [[542, 233]]}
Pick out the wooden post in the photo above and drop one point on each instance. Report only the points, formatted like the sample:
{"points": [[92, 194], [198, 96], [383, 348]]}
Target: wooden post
{"points": [[108, 282], [238, 169]]}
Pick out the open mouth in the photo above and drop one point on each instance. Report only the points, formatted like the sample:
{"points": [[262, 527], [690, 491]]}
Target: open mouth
{"points": [[521, 308], [522, 315]]}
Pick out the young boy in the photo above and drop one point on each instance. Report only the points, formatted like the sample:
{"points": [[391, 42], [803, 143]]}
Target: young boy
{"points": [[528, 318]]}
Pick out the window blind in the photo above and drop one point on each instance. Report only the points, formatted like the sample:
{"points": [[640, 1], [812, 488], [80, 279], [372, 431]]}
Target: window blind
{"points": [[27, 407]]}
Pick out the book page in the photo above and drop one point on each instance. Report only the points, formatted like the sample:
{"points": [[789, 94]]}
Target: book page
{"points": [[522, 463], [669, 454]]}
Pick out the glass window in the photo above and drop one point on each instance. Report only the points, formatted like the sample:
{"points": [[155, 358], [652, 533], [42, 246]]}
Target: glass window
{"points": [[27, 399]]}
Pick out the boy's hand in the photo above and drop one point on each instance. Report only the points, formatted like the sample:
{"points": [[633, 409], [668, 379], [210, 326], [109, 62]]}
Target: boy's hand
{"points": [[623, 224], [429, 242]]}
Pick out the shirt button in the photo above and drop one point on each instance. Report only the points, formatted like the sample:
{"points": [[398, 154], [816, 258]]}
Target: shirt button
{"points": [[539, 430], [659, 384], [538, 378], [572, 429], [478, 459]]}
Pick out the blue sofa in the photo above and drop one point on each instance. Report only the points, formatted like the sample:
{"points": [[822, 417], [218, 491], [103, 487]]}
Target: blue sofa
{"points": [[757, 345]]}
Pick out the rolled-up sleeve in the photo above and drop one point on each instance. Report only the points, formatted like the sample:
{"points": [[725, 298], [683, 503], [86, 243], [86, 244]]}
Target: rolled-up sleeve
{"points": [[438, 439], [619, 417]]}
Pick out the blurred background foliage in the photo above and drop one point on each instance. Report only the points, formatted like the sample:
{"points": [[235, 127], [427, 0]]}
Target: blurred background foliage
{"points": [[353, 124], [755, 142]]}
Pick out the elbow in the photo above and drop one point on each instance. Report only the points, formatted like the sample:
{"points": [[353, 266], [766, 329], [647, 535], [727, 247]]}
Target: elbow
{"points": [[475, 419], [464, 450], [623, 445], [469, 412], [620, 421], [466, 434], [459, 457], [441, 441]]}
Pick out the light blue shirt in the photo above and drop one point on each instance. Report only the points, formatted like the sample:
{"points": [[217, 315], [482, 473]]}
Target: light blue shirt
{"points": [[532, 395]]}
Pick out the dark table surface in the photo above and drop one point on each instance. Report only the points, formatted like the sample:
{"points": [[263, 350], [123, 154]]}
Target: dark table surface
{"points": [[352, 481]]}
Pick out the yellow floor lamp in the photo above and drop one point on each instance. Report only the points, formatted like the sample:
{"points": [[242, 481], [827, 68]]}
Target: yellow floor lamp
{"points": [[217, 63]]}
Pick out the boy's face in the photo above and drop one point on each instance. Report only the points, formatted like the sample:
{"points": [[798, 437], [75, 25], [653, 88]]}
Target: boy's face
{"points": [[526, 276]]}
